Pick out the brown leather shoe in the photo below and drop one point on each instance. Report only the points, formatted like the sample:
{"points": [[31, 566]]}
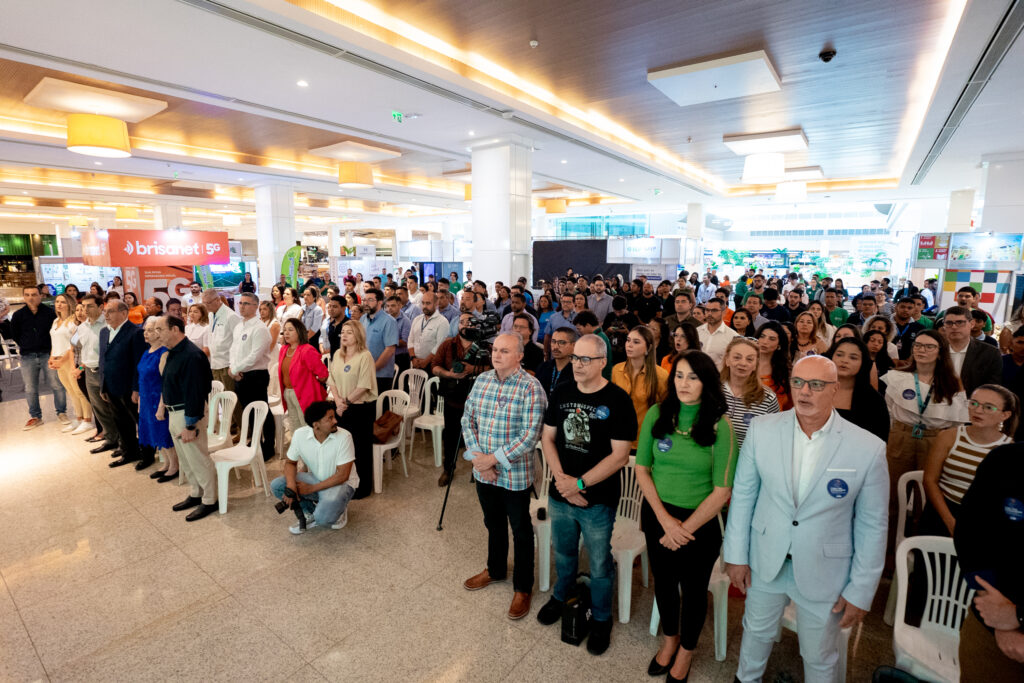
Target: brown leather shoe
{"points": [[520, 606], [481, 580], [444, 479]]}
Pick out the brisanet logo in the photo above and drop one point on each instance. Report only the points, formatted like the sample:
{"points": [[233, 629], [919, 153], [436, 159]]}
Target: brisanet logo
{"points": [[128, 247], [157, 249]]}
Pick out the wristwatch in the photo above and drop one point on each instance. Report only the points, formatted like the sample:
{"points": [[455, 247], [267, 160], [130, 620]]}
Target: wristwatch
{"points": [[193, 428], [580, 485]]}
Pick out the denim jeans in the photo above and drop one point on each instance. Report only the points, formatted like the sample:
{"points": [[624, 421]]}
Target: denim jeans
{"points": [[32, 366], [595, 522], [326, 506]]}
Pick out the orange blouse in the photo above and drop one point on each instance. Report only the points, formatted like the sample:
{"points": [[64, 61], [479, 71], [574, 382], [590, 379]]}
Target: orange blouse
{"points": [[785, 402]]}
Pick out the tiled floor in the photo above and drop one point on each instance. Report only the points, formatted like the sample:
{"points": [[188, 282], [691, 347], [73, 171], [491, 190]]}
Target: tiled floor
{"points": [[102, 581]]}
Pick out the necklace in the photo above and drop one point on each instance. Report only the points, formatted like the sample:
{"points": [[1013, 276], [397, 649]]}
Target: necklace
{"points": [[683, 433]]}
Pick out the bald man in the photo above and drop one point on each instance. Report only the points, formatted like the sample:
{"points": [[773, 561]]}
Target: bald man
{"points": [[807, 523]]}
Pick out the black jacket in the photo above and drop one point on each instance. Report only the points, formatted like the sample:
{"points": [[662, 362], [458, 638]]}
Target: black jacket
{"points": [[119, 359], [982, 365]]}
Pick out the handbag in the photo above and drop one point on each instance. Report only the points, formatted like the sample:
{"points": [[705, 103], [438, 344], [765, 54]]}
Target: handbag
{"points": [[576, 614], [386, 426]]}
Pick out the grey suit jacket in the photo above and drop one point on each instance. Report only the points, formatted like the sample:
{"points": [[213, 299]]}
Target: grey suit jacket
{"points": [[836, 535], [983, 364]]}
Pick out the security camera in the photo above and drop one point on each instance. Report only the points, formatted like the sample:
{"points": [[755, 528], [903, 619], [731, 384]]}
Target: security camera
{"points": [[827, 55]]}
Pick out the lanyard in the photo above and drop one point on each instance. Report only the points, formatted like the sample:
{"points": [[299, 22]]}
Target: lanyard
{"points": [[918, 431], [555, 374]]}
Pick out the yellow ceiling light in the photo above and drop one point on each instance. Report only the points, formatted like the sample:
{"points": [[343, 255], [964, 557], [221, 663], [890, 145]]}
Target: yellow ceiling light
{"points": [[764, 168], [791, 191], [555, 205], [98, 136], [126, 212], [355, 174], [468, 193], [78, 222]]}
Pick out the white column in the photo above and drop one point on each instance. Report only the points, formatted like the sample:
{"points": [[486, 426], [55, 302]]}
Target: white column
{"points": [[275, 229], [961, 203], [692, 252], [502, 208], [166, 215], [1004, 201]]}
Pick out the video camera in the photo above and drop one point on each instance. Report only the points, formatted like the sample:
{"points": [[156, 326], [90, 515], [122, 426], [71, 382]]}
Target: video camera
{"points": [[479, 331]]}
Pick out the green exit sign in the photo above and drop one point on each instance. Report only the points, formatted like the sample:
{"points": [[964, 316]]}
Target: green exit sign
{"points": [[397, 116]]}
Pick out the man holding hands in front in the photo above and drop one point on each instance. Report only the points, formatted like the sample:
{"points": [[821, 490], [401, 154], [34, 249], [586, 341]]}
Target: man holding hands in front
{"points": [[807, 523]]}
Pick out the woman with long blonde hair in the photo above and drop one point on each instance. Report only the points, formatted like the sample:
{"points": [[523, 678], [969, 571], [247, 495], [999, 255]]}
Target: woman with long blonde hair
{"points": [[745, 394], [353, 384], [62, 359], [639, 375]]}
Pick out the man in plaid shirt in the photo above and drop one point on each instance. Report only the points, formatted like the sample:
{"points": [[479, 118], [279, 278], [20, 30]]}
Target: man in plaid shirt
{"points": [[501, 425]]}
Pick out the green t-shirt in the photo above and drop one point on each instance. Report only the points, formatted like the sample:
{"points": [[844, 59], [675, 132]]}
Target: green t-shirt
{"points": [[455, 287], [741, 287], [607, 372], [838, 316], [684, 473], [926, 321]]}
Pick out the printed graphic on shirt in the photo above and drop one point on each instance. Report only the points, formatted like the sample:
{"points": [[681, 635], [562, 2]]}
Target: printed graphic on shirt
{"points": [[576, 427]]}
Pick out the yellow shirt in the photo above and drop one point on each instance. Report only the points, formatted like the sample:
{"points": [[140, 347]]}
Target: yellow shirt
{"points": [[357, 372], [637, 389]]}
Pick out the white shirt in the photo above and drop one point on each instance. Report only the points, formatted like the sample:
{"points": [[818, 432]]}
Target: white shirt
{"points": [[416, 297], [89, 336], [323, 459], [706, 292], [190, 299], [958, 357], [806, 453], [788, 287], [426, 334], [222, 336], [715, 343], [288, 312], [901, 398], [114, 331], [198, 334], [60, 337], [251, 339], [929, 297]]}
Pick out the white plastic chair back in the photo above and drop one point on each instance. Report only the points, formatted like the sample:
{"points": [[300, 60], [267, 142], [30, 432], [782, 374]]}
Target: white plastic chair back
{"points": [[545, 476], [632, 497], [430, 390], [10, 355], [949, 596], [222, 405], [907, 499], [398, 402], [274, 388], [216, 386], [412, 382]]}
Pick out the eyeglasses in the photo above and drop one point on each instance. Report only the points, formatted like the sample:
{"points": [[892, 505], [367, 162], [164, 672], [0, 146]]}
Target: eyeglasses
{"points": [[584, 360], [987, 407], [561, 342], [954, 323], [815, 384], [925, 347]]}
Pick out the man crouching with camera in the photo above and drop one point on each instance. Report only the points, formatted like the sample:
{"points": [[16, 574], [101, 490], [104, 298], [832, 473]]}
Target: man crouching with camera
{"points": [[323, 492], [454, 364]]}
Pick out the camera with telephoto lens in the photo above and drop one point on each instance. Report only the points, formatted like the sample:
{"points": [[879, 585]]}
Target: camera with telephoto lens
{"points": [[281, 506], [478, 331]]}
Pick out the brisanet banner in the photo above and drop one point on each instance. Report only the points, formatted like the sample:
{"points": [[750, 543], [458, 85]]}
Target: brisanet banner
{"points": [[159, 248]]}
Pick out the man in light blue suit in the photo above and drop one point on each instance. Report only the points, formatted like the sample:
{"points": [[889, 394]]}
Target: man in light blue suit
{"points": [[807, 523]]}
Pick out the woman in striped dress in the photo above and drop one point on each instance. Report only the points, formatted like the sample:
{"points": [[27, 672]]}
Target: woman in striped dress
{"points": [[745, 395], [957, 452]]}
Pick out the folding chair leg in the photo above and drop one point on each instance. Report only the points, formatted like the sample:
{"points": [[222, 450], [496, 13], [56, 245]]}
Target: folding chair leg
{"points": [[721, 606], [625, 572], [222, 488], [435, 436], [655, 618], [378, 472], [544, 556]]}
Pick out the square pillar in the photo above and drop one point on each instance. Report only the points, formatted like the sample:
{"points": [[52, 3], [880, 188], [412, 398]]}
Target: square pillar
{"points": [[502, 209]]}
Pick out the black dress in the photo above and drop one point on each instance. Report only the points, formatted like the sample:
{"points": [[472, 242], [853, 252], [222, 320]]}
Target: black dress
{"points": [[868, 412]]}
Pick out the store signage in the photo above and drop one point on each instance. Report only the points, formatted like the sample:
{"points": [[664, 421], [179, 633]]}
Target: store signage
{"points": [[366, 251], [235, 250], [155, 248], [932, 247], [642, 248]]}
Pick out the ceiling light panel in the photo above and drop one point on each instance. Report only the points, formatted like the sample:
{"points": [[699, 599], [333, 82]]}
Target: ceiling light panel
{"points": [[350, 150], [717, 79], [792, 140], [51, 93], [805, 173]]}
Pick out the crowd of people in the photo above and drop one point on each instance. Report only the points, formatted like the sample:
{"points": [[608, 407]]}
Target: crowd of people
{"points": [[768, 419]]}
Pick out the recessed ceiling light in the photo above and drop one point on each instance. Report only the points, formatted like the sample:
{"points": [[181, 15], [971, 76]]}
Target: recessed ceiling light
{"points": [[792, 140], [471, 133], [565, 161], [302, 84], [241, 179], [98, 163], [24, 191], [622, 180]]}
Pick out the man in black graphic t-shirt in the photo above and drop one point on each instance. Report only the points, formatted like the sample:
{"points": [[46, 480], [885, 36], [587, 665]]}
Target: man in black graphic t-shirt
{"points": [[588, 430]]}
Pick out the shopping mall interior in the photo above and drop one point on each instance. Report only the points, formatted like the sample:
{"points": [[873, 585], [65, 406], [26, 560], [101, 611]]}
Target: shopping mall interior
{"points": [[153, 144]]}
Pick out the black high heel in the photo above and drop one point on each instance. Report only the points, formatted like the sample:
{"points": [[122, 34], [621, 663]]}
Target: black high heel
{"points": [[655, 669]]}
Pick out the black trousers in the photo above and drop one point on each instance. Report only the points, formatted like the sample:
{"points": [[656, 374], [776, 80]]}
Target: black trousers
{"points": [[384, 384], [451, 433], [126, 422], [253, 387], [686, 569], [503, 509], [357, 420], [403, 362]]}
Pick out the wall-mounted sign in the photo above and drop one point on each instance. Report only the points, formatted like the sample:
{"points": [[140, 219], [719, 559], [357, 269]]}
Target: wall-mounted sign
{"points": [[932, 247], [641, 248], [155, 248], [995, 250], [366, 251]]}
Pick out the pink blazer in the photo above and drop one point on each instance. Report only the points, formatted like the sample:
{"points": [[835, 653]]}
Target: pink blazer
{"points": [[307, 367]]}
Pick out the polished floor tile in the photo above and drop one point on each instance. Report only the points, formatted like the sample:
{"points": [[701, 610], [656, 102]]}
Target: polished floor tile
{"points": [[100, 580]]}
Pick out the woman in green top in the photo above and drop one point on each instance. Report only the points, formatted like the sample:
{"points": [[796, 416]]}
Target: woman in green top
{"points": [[685, 463]]}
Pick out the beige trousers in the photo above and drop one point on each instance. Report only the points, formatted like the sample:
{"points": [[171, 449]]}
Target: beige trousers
{"points": [[194, 458], [80, 404]]}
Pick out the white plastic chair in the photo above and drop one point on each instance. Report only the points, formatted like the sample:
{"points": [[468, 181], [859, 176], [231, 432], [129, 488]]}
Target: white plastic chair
{"points": [[904, 509], [276, 403], [627, 539], [542, 527], [218, 428], [412, 382], [246, 453], [274, 388], [399, 402], [718, 586], [10, 357], [931, 651], [216, 386], [432, 422]]}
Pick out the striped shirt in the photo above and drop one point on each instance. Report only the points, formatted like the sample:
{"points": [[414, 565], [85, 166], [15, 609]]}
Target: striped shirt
{"points": [[741, 414], [504, 417], [961, 463]]}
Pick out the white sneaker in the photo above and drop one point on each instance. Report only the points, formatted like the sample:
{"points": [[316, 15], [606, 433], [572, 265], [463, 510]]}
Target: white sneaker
{"points": [[82, 428], [342, 521], [63, 418], [296, 529], [70, 426]]}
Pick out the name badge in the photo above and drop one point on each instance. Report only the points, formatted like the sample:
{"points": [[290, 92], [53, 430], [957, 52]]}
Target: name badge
{"points": [[747, 417], [837, 488], [664, 444], [347, 368], [1014, 509], [602, 413], [245, 336], [909, 394]]}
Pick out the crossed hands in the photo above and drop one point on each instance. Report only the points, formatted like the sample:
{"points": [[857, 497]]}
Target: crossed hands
{"points": [[676, 534], [566, 485], [484, 465]]}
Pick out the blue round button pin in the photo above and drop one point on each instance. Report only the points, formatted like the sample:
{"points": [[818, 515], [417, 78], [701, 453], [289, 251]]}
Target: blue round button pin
{"points": [[747, 417], [602, 413], [664, 444], [837, 488], [909, 394], [1014, 509]]}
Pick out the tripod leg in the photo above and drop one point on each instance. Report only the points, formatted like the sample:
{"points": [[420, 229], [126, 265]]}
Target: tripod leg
{"points": [[448, 489]]}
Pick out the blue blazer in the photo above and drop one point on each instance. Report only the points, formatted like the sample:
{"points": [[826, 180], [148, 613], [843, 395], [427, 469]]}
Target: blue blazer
{"points": [[836, 535], [119, 360]]}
